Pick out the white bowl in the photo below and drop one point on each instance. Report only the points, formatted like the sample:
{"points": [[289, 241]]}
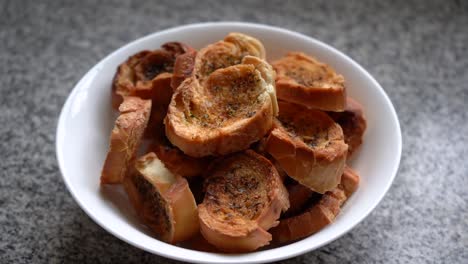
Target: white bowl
{"points": [[87, 119]]}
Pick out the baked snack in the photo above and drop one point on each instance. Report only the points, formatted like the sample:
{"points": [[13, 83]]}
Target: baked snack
{"points": [[225, 53], [299, 195], [178, 162], [125, 138], [135, 76], [304, 80], [353, 123], [161, 97], [162, 200], [244, 198], [221, 108], [211, 129], [318, 215], [309, 146], [183, 67]]}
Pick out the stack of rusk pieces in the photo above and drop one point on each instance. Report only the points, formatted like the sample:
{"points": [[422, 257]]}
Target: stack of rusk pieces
{"points": [[242, 153]]}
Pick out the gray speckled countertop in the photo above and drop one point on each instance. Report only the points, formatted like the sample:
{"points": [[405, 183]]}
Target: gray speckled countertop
{"points": [[417, 50]]}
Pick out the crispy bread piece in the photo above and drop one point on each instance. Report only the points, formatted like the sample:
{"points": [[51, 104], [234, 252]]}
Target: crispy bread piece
{"points": [[244, 198], [135, 76], [183, 68], [162, 94], [304, 80], [162, 200], [349, 181], [319, 215], [225, 53], [353, 123], [309, 146], [299, 195], [178, 162], [221, 109], [125, 138]]}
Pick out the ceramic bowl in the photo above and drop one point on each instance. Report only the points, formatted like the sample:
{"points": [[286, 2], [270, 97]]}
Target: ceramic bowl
{"points": [[87, 119]]}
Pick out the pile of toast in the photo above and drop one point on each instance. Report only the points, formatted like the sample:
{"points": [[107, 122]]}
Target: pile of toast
{"points": [[242, 153]]}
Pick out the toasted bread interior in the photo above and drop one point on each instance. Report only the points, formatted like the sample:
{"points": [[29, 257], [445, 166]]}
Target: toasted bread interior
{"points": [[304, 80], [244, 198], [150, 206], [225, 53], [309, 146], [125, 139], [162, 199], [135, 76], [227, 104], [234, 94]]}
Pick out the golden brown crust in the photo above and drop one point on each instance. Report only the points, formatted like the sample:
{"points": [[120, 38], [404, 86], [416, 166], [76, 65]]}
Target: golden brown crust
{"points": [[221, 108], [179, 163], [299, 195], [228, 52], [183, 68], [353, 123], [161, 97], [309, 146], [125, 138], [304, 80], [349, 181], [318, 215], [162, 200], [244, 198], [135, 76]]}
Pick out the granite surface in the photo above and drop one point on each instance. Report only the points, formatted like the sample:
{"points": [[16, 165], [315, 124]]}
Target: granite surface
{"points": [[417, 50]]}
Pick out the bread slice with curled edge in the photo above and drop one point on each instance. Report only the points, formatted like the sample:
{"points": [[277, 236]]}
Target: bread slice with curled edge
{"points": [[136, 75], [221, 108], [353, 122], [319, 215], [304, 80], [244, 198], [227, 52], [125, 138], [162, 200], [309, 146]]}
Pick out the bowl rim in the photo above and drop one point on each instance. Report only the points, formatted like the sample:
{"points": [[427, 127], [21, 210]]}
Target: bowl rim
{"points": [[199, 257]]}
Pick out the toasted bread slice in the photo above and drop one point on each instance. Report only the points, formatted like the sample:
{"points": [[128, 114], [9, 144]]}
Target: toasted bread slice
{"points": [[225, 53], [178, 162], [304, 80], [353, 123], [161, 97], [309, 146], [183, 68], [299, 195], [223, 110], [319, 215], [135, 76], [162, 200], [244, 198], [125, 138], [349, 181]]}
